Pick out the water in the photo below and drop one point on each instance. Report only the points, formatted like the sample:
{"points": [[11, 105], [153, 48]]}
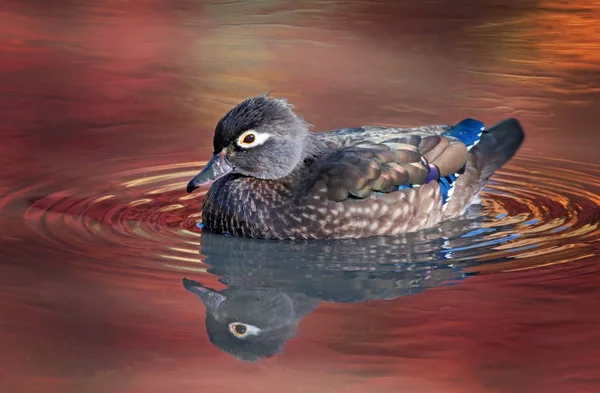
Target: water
{"points": [[108, 110]]}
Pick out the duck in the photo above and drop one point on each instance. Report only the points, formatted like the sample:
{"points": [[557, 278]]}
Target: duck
{"points": [[272, 177]]}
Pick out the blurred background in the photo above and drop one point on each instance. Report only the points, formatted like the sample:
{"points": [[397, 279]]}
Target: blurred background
{"points": [[121, 79], [92, 89]]}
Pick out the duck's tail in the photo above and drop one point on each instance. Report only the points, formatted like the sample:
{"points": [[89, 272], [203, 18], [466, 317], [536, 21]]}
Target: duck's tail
{"points": [[497, 146], [489, 149]]}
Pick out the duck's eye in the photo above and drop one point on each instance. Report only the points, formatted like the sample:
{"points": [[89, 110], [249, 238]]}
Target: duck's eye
{"points": [[241, 330], [252, 138]]}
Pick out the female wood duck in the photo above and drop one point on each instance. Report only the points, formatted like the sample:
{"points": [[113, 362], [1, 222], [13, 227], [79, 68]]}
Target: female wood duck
{"points": [[273, 178]]}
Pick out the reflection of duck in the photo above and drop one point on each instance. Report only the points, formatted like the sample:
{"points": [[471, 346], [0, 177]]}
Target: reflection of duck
{"points": [[273, 285], [251, 324], [275, 179]]}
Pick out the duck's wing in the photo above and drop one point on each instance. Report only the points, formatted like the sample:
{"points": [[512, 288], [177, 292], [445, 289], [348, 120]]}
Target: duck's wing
{"points": [[383, 160], [351, 135]]}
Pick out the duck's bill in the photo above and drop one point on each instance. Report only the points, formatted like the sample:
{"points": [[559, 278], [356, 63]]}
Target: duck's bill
{"points": [[217, 167], [211, 298]]}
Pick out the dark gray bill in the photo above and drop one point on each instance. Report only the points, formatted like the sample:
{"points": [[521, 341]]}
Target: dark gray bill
{"points": [[217, 167], [211, 299]]}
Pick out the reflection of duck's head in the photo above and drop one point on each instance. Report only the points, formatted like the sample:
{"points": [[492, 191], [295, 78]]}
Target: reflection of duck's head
{"points": [[250, 324]]}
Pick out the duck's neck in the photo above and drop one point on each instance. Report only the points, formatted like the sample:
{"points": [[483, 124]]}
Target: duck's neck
{"points": [[313, 147]]}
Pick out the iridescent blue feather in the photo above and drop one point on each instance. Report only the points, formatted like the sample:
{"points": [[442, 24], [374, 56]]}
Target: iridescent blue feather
{"points": [[469, 132]]}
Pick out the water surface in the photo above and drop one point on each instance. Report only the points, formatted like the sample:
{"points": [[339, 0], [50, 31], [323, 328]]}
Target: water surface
{"points": [[109, 109]]}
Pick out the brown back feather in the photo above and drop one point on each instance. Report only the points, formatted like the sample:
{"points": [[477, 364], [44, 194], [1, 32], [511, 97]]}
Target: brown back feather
{"points": [[365, 167]]}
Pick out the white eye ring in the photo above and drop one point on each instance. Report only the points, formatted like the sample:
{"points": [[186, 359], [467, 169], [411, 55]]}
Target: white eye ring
{"points": [[259, 139], [249, 330]]}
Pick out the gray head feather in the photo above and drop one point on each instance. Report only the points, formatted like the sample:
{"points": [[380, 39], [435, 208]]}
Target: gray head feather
{"points": [[289, 140]]}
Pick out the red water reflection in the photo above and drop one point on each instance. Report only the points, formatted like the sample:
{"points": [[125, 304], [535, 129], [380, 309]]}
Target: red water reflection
{"points": [[91, 90]]}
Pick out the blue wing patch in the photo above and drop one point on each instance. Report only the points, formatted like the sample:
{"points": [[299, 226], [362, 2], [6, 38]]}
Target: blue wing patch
{"points": [[469, 131], [447, 186]]}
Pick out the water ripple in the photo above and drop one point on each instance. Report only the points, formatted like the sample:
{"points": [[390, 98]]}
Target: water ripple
{"points": [[537, 208]]}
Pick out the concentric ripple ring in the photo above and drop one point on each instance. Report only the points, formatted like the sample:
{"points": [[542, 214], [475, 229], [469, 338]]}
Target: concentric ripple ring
{"points": [[535, 206]]}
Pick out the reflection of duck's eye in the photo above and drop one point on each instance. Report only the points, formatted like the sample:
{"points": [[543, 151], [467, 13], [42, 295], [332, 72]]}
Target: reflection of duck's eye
{"points": [[241, 330], [238, 329]]}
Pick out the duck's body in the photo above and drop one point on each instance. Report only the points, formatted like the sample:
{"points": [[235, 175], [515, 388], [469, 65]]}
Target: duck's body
{"points": [[351, 182]]}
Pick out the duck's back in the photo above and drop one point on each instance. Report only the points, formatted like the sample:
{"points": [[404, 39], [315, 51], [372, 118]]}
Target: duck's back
{"points": [[373, 181]]}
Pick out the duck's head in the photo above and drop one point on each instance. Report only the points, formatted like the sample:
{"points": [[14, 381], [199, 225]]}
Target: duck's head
{"points": [[251, 324], [261, 137]]}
